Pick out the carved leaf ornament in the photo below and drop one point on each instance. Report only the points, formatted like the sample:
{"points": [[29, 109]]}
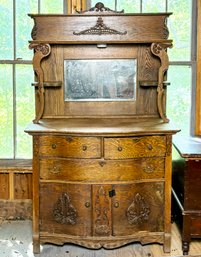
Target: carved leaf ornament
{"points": [[99, 29], [139, 210], [64, 212]]}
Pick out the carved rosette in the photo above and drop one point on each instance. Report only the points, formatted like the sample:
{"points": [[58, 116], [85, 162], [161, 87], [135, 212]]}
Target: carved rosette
{"points": [[102, 224], [41, 51], [64, 212], [99, 8], [159, 50], [139, 210], [99, 29]]}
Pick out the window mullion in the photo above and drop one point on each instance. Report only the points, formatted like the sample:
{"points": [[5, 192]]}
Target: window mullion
{"points": [[14, 82]]}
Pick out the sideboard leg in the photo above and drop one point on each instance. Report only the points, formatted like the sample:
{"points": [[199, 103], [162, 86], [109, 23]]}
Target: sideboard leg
{"points": [[36, 244], [167, 243], [185, 247]]}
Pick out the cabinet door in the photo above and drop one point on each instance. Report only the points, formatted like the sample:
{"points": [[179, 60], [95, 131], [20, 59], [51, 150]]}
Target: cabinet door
{"points": [[138, 207], [65, 208]]}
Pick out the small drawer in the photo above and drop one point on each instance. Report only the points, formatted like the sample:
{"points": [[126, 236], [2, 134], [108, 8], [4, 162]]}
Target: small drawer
{"points": [[134, 147], [102, 170], [70, 147]]}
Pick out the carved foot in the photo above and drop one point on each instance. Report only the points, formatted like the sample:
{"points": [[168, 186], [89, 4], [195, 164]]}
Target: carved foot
{"points": [[36, 244], [36, 247], [167, 243], [185, 247]]}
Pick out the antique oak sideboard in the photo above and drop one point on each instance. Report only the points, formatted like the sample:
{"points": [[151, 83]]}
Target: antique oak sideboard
{"points": [[101, 138]]}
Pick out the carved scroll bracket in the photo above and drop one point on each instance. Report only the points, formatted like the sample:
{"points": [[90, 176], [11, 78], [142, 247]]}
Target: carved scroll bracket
{"points": [[159, 49], [41, 51]]}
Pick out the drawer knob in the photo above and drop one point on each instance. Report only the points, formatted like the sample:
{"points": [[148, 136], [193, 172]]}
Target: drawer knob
{"points": [[84, 147], [87, 204], [55, 170], [149, 146], [120, 148], [116, 204], [54, 146]]}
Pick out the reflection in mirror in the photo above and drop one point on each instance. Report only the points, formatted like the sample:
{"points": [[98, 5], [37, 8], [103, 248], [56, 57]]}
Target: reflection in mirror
{"points": [[100, 80]]}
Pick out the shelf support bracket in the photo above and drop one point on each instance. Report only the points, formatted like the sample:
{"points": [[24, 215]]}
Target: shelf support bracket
{"points": [[159, 50], [41, 51]]}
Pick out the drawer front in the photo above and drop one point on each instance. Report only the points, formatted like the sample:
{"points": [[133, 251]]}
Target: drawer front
{"points": [[71, 147], [134, 147], [102, 170], [196, 226]]}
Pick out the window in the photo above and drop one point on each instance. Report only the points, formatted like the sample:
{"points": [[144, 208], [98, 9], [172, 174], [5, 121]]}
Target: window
{"points": [[182, 56], [16, 73]]}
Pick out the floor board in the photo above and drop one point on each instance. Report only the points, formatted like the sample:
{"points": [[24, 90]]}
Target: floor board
{"points": [[16, 241]]}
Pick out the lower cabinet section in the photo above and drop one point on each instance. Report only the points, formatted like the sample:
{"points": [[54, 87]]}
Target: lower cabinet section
{"points": [[101, 210]]}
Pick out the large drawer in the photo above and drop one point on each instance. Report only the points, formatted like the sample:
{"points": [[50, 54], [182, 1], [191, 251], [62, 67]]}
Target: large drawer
{"points": [[70, 147], [134, 147], [101, 170]]}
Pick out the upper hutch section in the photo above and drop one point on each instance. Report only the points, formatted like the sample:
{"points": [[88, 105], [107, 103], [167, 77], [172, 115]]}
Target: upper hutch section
{"points": [[100, 24], [100, 63]]}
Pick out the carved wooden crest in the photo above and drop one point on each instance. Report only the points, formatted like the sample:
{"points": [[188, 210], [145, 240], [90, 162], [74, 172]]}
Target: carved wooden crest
{"points": [[139, 210], [102, 224], [99, 8], [99, 29], [64, 212]]}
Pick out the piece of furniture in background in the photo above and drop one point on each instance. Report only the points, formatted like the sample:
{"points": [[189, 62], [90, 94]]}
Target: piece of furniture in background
{"points": [[15, 189], [186, 187], [101, 138]]}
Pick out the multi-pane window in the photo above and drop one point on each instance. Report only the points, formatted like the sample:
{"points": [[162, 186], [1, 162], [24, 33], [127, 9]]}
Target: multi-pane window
{"points": [[182, 55], [16, 73]]}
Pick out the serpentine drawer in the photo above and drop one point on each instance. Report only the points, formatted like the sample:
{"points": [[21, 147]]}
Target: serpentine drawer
{"points": [[134, 147]]}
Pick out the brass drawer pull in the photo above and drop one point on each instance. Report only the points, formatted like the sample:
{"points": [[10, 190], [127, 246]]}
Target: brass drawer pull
{"points": [[148, 169], [116, 204], [150, 147], [102, 163], [55, 170], [69, 139], [87, 204], [54, 146], [136, 140], [120, 148], [84, 147]]}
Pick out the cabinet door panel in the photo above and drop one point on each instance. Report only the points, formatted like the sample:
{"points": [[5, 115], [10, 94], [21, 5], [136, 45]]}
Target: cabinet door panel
{"points": [[138, 207], [65, 208]]}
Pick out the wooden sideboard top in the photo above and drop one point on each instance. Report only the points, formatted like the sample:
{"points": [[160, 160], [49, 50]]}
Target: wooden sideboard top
{"points": [[187, 146], [105, 126]]}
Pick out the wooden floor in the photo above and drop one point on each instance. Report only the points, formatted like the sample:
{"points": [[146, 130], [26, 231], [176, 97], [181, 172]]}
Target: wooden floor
{"points": [[16, 241]]}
